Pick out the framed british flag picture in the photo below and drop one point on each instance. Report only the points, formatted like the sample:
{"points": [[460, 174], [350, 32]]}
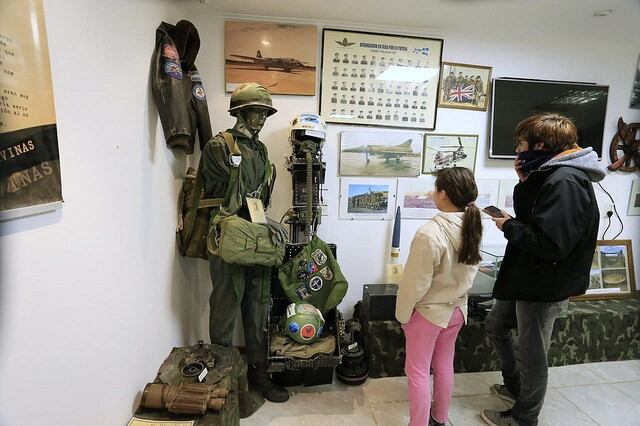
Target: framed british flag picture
{"points": [[464, 86]]}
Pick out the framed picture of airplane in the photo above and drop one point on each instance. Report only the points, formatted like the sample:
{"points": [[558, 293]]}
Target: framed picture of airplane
{"points": [[281, 57], [379, 79], [464, 86], [367, 198], [380, 153], [414, 197], [442, 151]]}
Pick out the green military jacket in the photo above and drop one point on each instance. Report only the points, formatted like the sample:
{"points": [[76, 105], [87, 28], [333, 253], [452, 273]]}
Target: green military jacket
{"points": [[216, 172]]}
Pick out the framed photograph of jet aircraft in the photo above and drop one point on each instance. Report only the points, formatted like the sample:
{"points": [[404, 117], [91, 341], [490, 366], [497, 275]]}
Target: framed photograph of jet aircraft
{"points": [[367, 198], [380, 153], [442, 151], [379, 79], [464, 86], [281, 57]]}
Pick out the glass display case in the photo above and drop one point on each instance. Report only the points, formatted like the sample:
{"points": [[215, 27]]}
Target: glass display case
{"points": [[488, 271]]}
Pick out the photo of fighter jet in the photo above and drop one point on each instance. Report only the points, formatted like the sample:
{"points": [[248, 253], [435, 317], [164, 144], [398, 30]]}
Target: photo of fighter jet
{"points": [[442, 151], [380, 154], [286, 64]]}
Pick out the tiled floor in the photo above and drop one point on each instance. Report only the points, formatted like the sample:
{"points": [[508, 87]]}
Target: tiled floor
{"points": [[606, 393]]}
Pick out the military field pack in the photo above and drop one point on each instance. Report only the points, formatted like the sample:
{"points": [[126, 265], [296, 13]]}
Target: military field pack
{"points": [[240, 242], [314, 276]]}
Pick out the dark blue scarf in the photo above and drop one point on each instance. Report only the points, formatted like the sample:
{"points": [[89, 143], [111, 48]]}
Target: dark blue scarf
{"points": [[533, 159]]}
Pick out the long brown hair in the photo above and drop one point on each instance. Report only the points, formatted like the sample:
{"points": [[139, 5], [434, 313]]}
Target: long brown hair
{"points": [[461, 189]]}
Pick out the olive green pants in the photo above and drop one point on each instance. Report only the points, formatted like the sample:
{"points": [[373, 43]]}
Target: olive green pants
{"points": [[245, 289]]}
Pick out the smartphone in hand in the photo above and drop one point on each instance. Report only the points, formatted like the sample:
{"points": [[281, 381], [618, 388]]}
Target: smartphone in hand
{"points": [[492, 211]]}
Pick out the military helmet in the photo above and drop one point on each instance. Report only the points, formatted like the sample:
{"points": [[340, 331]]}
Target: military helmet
{"points": [[307, 124], [303, 322], [249, 95]]}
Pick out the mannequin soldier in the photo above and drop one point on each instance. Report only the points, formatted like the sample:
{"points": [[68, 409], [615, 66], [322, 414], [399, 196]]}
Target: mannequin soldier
{"points": [[235, 286]]}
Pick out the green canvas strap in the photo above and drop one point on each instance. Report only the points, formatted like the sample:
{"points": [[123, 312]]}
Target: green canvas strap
{"points": [[234, 172]]}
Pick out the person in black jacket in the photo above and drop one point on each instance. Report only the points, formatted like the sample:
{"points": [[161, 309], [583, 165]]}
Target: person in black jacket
{"points": [[550, 246]]}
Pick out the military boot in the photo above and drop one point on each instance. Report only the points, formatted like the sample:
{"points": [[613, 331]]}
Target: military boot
{"points": [[259, 380]]}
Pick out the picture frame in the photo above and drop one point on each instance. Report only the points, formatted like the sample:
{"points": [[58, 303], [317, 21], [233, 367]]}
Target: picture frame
{"points": [[612, 273], [380, 153], [414, 197], [449, 150], [280, 57], [634, 199], [635, 90], [457, 90], [367, 198], [505, 195], [380, 79]]}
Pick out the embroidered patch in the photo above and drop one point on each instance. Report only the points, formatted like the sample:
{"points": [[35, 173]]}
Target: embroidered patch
{"points": [[326, 273], [195, 76], [303, 292], [319, 256], [169, 51], [293, 327], [315, 283], [307, 332], [198, 92], [173, 70], [312, 268]]}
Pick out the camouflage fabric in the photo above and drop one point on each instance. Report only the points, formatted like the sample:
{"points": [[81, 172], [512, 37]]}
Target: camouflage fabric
{"points": [[592, 331], [229, 371]]}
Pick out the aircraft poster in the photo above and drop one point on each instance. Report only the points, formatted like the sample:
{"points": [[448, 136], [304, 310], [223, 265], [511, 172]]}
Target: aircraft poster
{"points": [[380, 153], [442, 151], [380, 79], [414, 197], [367, 198], [281, 57], [29, 158]]}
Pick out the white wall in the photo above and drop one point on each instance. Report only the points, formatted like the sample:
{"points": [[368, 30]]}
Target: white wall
{"points": [[94, 296]]}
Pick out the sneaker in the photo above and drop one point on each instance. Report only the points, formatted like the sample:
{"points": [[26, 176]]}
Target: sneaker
{"points": [[498, 418], [503, 393], [434, 422]]}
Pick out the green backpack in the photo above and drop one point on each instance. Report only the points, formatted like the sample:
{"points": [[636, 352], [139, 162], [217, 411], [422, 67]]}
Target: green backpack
{"points": [[314, 276]]}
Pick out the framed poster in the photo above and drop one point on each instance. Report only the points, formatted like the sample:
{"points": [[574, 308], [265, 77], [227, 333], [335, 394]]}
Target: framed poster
{"points": [[379, 79], [634, 199], [612, 275], [414, 197], [281, 57], [635, 90], [505, 195], [488, 190], [380, 154], [367, 198], [30, 180], [442, 151], [464, 86]]}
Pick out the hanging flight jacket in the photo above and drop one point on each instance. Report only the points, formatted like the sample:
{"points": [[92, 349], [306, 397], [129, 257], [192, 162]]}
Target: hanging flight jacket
{"points": [[177, 86]]}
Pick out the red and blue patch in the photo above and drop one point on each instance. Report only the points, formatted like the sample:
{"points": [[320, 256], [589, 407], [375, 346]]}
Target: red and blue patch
{"points": [[198, 92], [173, 69]]}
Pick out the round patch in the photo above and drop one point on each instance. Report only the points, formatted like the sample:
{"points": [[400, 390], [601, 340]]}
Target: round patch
{"points": [[198, 92], [315, 284], [169, 51], [173, 70], [293, 327], [308, 331]]}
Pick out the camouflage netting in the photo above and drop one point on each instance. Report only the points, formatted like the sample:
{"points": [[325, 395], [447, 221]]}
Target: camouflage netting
{"points": [[604, 330]]}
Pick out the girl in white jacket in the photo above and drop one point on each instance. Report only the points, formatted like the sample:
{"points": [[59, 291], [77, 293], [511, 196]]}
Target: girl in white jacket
{"points": [[432, 296]]}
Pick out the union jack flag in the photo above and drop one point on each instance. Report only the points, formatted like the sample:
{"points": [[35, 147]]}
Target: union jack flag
{"points": [[462, 94]]}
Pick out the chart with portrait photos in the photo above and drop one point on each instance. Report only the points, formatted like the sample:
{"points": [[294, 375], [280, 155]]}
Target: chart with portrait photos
{"points": [[378, 79]]}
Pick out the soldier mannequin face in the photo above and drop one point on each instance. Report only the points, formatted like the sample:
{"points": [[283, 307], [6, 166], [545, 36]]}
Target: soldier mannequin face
{"points": [[254, 118]]}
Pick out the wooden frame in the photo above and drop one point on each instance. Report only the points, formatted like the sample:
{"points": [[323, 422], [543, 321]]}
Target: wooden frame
{"points": [[281, 57], [379, 79], [612, 274], [449, 150], [464, 86]]}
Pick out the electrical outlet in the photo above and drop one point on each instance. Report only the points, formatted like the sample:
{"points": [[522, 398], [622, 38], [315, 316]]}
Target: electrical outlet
{"points": [[606, 208]]}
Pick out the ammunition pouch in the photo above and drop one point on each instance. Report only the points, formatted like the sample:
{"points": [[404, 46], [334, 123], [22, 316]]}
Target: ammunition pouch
{"points": [[240, 242]]}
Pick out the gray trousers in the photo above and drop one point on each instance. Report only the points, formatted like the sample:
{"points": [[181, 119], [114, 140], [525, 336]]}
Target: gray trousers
{"points": [[524, 365], [249, 297]]}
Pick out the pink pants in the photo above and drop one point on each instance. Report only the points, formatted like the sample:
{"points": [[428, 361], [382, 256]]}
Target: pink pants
{"points": [[429, 346]]}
